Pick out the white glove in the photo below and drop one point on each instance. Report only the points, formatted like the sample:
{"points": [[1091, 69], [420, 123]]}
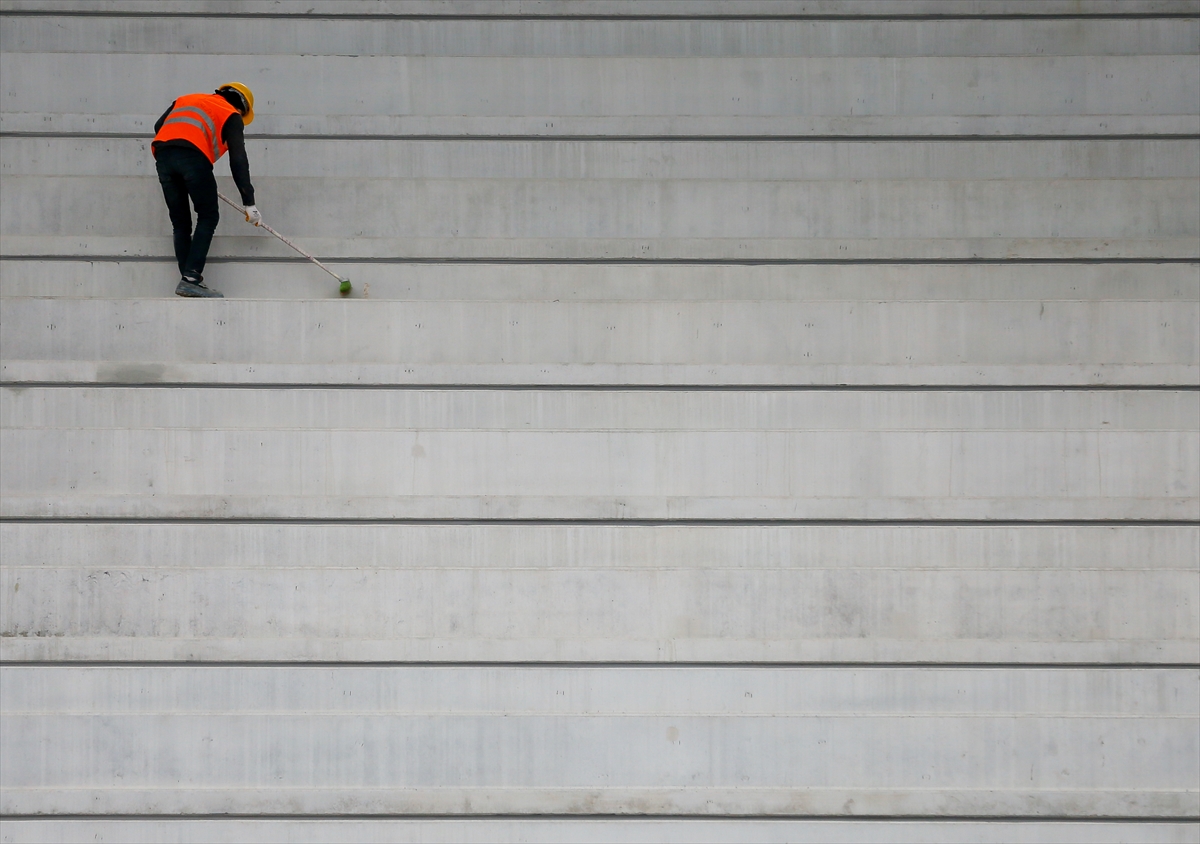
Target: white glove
{"points": [[252, 215]]}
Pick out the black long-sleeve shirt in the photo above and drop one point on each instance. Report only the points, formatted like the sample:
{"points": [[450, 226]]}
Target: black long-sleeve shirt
{"points": [[233, 134]]}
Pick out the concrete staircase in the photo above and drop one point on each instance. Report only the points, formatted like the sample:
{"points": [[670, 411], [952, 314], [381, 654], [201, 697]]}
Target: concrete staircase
{"points": [[762, 421]]}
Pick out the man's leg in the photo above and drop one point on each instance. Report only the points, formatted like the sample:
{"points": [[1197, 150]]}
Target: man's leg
{"points": [[202, 186], [174, 188]]}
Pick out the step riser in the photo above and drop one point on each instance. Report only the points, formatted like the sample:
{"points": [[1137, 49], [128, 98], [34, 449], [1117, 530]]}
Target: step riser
{"points": [[605, 690], [473, 592], [565, 214], [559, 757], [530, 283], [113, 337], [586, 831], [634, 549], [532, 37], [566, 410], [710, 160], [128, 83], [636, 127], [376, 10], [432, 474], [134, 613]]}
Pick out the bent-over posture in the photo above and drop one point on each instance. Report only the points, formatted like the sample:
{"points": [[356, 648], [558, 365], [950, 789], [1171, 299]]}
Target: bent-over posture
{"points": [[188, 139]]}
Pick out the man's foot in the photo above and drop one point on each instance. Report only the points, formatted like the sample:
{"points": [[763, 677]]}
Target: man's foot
{"points": [[193, 287]]}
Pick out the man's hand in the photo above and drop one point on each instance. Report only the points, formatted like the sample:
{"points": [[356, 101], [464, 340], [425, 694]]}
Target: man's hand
{"points": [[252, 215]]}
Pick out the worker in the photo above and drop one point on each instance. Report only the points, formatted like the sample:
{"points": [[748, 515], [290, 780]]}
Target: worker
{"points": [[188, 139]]}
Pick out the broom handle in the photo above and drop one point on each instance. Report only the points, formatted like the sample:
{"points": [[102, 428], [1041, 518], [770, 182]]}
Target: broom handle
{"points": [[284, 239]]}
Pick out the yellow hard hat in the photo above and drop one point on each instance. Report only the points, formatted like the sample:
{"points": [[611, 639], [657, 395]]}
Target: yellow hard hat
{"points": [[247, 95]]}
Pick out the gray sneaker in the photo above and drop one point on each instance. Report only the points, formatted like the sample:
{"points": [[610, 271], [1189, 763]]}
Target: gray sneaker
{"points": [[193, 287]]}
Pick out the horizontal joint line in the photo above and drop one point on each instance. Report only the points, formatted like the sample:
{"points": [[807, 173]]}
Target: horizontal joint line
{"points": [[505, 261], [596, 522], [658, 138], [622, 818], [434, 18], [599, 664], [605, 388]]}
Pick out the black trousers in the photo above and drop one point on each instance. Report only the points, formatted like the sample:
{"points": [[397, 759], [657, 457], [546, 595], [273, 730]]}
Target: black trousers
{"points": [[184, 172]]}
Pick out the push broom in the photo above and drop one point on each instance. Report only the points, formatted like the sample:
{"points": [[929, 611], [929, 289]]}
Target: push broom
{"points": [[344, 283]]}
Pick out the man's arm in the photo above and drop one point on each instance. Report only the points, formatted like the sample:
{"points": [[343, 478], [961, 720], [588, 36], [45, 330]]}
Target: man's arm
{"points": [[158, 124], [233, 134]]}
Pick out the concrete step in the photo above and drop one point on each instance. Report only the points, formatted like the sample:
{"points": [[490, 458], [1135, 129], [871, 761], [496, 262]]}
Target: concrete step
{"points": [[479, 740], [304, 465], [633, 37], [599, 593], [48, 830], [548, 159], [674, 200], [611, 283], [619, 95], [687, 9], [630, 219], [766, 342], [635, 127], [599, 410]]}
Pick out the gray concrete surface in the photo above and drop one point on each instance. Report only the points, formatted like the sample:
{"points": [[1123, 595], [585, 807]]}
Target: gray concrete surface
{"points": [[600, 593], [718, 342], [1126, 411], [680, 220], [703, 200], [899, 9], [545, 159], [560, 739], [720, 90], [251, 562], [764, 127], [557, 831], [629, 37], [702, 210], [623, 282], [853, 465]]}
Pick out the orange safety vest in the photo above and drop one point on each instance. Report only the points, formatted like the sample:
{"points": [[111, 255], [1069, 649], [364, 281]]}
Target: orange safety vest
{"points": [[198, 119]]}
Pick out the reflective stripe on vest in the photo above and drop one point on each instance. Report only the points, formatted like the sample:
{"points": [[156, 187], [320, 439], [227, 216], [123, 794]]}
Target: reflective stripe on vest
{"points": [[203, 112]]}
